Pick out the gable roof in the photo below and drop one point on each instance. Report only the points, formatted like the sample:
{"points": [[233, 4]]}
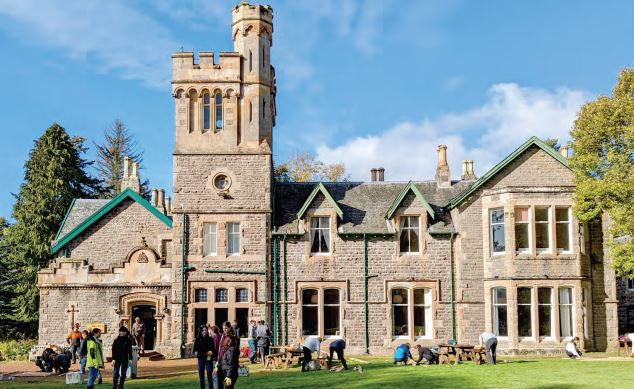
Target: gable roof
{"points": [[319, 188], [533, 141], [73, 218], [399, 199]]}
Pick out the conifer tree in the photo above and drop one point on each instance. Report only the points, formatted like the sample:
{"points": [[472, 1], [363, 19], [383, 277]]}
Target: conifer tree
{"points": [[7, 286], [54, 175], [118, 143]]}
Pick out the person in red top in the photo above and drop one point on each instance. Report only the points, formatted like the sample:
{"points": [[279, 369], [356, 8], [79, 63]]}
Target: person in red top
{"points": [[74, 339]]}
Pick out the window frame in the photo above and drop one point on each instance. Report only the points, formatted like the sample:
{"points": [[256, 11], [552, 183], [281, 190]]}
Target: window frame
{"points": [[216, 290], [495, 324], [569, 230], [551, 304], [236, 290], [411, 306], [532, 311], [196, 296], [214, 234], [319, 231], [549, 234], [230, 234], [410, 230], [571, 307], [529, 228], [491, 225], [323, 304], [311, 305], [629, 284], [205, 108], [218, 94], [192, 102]]}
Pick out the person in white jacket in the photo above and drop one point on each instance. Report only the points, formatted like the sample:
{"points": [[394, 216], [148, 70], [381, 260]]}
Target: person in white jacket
{"points": [[572, 348]]}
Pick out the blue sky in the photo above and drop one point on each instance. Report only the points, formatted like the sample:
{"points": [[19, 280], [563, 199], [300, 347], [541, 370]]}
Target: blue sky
{"points": [[368, 83]]}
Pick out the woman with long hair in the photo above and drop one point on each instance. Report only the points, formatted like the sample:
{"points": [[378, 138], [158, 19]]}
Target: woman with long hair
{"points": [[204, 352], [229, 362]]}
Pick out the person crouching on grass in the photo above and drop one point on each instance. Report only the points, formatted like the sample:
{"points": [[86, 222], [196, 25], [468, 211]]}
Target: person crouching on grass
{"points": [[121, 356], [572, 348], [94, 357], [204, 351], [311, 345], [337, 347], [402, 354]]}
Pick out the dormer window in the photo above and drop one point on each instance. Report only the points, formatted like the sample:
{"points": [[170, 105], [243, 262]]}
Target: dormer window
{"points": [[410, 235], [218, 104], [320, 235]]}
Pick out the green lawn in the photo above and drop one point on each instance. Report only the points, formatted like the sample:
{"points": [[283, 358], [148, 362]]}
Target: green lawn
{"points": [[380, 373]]}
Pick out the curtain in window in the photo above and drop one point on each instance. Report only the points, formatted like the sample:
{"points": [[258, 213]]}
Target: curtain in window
{"points": [[565, 312], [209, 239], [320, 235]]}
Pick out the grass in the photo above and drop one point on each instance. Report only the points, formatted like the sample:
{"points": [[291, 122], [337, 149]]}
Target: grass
{"points": [[544, 373]]}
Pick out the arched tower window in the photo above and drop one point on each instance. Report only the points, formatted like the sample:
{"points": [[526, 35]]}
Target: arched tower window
{"points": [[206, 112], [218, 104], [192, 110], [263, 108], [250, 111], [250, 61]]}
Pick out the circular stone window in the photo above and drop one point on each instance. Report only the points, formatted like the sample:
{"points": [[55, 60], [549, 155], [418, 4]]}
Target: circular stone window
{"points": [[222, 182]]}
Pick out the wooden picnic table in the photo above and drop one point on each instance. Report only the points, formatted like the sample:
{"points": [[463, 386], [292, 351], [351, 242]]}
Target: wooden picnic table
{"points": [[460, 352]]}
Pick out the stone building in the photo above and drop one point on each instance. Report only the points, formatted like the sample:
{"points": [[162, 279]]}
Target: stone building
{"points": [[377, 262]]}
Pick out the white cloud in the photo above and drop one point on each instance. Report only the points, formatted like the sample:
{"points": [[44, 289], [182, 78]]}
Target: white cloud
{"points": [[109, 35], [484, 134]]}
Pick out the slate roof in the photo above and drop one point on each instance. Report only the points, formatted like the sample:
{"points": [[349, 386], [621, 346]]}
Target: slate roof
{"points": [[79, 211], [364, 204]]}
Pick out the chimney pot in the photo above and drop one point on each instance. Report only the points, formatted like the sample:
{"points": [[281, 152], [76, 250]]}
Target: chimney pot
{"points": [[464, 175], [126, 167], [381, 174], [373, 174], [135, 169], [154, 200], [563, 150], [443, 174], [161, 200], [168, 206]]}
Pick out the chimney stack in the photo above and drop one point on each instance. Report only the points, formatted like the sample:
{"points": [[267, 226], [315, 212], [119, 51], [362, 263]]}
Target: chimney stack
{"points": [[443, 175], [154, 198], [161, 200], [467, 170], [381, 174], [130, 179], [373, 174], [563, 150], [168, 206]]}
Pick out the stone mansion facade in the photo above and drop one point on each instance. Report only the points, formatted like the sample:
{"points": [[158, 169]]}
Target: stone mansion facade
{"points": [[377, 263]]}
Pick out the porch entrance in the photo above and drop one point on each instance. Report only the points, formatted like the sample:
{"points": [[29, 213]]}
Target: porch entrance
{"points": [[147, 315]]}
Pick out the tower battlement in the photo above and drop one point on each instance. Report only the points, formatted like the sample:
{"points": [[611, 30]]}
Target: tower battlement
{"points": [[186, 69], [246, 11]]}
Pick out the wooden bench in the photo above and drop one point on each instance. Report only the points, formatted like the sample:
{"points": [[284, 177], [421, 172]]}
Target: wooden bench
{"points": [[625, 344], [274, 361], [479, 356]]}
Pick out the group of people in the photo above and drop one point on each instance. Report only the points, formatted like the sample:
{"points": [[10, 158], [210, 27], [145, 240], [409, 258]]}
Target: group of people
{"points": [[51, 360], [259, 340], [426, 356], [218, 355]]}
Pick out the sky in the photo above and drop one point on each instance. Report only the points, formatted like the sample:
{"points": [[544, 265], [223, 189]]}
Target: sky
{"points": [[375, 83]]}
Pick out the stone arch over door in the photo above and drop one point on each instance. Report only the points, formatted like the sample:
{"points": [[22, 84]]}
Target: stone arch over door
{"points": [[130, 300]]}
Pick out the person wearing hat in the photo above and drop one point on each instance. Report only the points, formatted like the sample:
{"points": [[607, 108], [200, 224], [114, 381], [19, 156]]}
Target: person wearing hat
{"points": [[121, 356], [74, 339]]}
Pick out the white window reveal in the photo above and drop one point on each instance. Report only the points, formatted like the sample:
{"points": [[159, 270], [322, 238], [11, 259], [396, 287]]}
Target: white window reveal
{"points": [[542, 229], [545, 312], [524, 312], [522, 230], [499, 315], [563, 229], [233, 238], [566, 326], [209, 239]]}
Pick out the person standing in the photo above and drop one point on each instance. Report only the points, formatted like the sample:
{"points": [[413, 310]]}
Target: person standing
{"points": [[138, 331], [74, 340], [204, 352], [94, 357], [253, 341], [337, 347], [489, 341], [83, 351], [121, 356], [263, 339], [229, 363], [310, 345], [236, 330], [227, 332]]}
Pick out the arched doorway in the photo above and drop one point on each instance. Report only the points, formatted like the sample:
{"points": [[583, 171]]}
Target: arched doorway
{"points": [[147, 314], [149, 307]]}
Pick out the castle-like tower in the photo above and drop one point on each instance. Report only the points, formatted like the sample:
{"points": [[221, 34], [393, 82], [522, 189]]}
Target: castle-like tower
{"points": [[224, 116]]}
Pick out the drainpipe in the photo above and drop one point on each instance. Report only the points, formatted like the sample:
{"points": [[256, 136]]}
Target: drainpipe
{"points": [[365, 293], [183, 239], [285, 290], [453, 309], [274, 291]]}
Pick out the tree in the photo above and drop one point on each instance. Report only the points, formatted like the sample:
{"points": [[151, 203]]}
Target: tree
{"points": [[305, 168], [553, 142], [118, 143], [54, 175], [603, 165], [7, 286]]}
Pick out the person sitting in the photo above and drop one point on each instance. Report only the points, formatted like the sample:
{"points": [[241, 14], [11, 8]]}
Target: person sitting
{"points": [[61, 364], [572, 348], [425, 355], [402, 354]]}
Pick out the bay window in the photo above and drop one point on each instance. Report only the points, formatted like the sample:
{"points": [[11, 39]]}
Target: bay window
{"points": [[496, 218], [542, 228], [565, 312], [544, 312], [563, 230], [524, 312], [500, 319], [522, 230]]}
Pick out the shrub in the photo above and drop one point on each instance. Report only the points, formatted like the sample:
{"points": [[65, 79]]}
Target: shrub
{"points": [[15, 350]]}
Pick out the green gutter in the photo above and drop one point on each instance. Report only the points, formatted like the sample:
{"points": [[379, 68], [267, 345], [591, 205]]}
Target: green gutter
{"points": [[183, 238], [59, 230], [229, 271], [285, 305]]}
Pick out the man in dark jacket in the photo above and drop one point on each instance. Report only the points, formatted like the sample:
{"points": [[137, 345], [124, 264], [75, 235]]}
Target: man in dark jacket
{"points": [[263, 339], [121, 355], [337, 347]]}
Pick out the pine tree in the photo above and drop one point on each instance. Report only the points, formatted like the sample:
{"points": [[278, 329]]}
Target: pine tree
{"points": [[7, 286], [55, 174], [118, 143]]}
